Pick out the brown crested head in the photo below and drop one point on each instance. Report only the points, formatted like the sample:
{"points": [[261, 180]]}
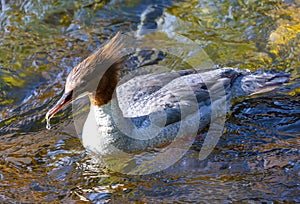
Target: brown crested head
{"points": [[96, 76]]}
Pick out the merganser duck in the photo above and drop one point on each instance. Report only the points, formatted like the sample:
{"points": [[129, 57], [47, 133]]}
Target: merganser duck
{"points": [[150, 110]]}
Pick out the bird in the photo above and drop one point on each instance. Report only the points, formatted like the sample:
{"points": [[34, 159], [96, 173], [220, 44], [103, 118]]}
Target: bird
{"points": [[152, 110]]}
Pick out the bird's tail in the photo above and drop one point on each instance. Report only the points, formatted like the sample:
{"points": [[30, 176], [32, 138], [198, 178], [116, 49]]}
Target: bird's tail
{"points": [[259, 82]]}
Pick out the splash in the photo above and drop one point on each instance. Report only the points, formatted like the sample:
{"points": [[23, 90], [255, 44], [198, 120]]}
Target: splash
{"points": [[48, 125]]}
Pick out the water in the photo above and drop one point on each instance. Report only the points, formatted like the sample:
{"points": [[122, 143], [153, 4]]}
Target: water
{"points": [[48, 125], [256, 159]]}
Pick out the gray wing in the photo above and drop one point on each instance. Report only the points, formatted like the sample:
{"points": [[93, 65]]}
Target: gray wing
{"points": [[173, 95]]}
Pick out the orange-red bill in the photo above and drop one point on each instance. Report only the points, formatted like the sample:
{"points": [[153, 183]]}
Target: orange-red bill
{"points": [[61, 103]]}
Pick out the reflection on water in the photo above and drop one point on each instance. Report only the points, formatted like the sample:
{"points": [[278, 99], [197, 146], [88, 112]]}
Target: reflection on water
{"points": [[257, 158]]}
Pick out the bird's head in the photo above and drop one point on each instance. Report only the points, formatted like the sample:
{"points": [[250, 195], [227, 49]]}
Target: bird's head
{"points": [[96, 76]]}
